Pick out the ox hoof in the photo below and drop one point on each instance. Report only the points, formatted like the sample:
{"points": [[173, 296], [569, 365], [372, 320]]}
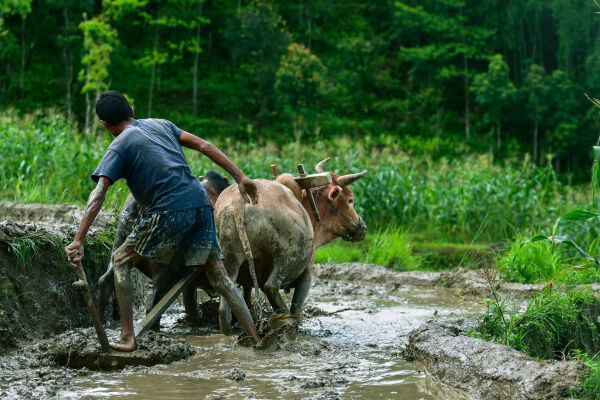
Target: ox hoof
{"points": [[246, 341]]}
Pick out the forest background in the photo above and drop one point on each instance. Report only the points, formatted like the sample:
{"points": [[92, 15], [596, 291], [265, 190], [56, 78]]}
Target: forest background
{"points": [[506, 77], [471, 116]]}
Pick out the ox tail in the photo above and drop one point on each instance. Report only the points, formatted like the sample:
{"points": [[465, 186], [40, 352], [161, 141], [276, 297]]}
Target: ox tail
{"points": [[239, 213]]}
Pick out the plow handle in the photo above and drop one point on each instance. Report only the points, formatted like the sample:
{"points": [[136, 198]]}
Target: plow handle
{"points": [[89, 301]]}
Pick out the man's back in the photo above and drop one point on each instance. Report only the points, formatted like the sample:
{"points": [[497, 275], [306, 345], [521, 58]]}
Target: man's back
{"points": [[148, 155]]}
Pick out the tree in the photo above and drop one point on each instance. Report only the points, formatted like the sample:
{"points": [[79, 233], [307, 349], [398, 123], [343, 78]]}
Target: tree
{"points": [[258, 39], [565, 137], [445, 42], [21, 8], [300, 85], [99, 39], [535, 89], [494, 91]]}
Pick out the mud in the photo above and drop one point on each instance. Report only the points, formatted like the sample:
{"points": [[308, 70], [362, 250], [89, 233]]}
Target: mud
{"points": [[346, 346], [37, 298], [51, 215], [34, 371], [464, 282], [489, 370]]}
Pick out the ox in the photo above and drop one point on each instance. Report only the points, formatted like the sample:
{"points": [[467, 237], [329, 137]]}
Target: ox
{"points": [[272, 244], [163, 276]]}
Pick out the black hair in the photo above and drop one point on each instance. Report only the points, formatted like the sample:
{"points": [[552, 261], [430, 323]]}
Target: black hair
{"points": [[113, 107], [216, 181]]}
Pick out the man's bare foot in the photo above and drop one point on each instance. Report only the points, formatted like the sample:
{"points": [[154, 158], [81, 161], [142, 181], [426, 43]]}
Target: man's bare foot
{"points": [[126, 343]]}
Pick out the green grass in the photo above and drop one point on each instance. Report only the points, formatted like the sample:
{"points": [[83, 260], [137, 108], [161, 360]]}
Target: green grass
{"points": [[531, 263], [389, 247], [468, 198], [591, 386], [554, 325], [393, 248], [540, 262]]}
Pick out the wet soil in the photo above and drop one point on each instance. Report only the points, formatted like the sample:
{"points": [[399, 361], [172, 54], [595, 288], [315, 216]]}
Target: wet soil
{"points": [[36, 295], [51, 214], [473, 284], [37, 298], [347, 345], [489, 370]]}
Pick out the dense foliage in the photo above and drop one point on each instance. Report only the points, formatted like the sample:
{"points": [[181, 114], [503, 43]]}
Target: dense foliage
{"points": [[506, 76], [469, 199]]}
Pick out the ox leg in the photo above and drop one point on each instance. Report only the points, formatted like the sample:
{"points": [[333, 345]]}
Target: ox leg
{"points": [[163, 279], [248, 296], [224, 317], [272, 287], [106, 287], [190, 303], [215, 271], [300, 292]]}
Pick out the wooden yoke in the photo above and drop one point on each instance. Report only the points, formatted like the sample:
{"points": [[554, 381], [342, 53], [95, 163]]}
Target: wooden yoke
{"points": [[313, 203], [308, 182], [275, 173]]}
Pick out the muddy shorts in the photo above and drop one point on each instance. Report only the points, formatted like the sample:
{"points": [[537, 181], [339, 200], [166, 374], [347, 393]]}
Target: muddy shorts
{"points": [[158, 236]]}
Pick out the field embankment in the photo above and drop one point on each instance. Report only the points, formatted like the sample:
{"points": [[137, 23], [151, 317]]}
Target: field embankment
{"points": [[37, 298]]}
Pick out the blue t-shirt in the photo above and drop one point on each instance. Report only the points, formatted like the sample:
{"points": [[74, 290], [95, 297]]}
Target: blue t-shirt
{"points": [[148, 155]]}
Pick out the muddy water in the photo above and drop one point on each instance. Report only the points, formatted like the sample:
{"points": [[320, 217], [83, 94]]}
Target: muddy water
{"points": [[348, 348]]}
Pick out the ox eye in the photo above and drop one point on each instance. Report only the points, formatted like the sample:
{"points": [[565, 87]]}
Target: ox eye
{"points": [[351, 201]]}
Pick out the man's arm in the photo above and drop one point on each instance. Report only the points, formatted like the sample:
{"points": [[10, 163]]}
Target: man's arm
{"points": [[247, 186], [92, 208]]}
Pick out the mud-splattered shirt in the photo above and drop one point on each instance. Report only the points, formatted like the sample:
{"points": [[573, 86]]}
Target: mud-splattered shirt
{"points": [[147, 154]]}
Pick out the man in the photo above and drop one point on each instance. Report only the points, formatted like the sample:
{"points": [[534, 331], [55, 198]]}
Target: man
{"points": [[177, 212]]}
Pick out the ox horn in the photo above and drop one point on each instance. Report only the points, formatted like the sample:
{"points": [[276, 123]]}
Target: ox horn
{"points": [[345, 180], [319, 166]]}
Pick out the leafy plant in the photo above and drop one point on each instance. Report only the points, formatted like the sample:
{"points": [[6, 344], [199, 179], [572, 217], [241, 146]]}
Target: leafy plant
{"points": [[554, 324]]}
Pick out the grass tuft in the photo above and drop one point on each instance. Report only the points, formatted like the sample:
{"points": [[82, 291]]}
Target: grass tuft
{"points": [[554, 325]]}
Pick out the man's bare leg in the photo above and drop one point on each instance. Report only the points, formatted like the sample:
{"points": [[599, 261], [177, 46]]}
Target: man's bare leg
{"points": [[124, 259], [215, 271]]}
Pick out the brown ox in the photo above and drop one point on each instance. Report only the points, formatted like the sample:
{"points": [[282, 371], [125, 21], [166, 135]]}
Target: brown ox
{"points": [[277, 238]]}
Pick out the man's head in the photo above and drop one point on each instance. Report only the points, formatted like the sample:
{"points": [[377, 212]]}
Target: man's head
{"points": [[114, 111]]}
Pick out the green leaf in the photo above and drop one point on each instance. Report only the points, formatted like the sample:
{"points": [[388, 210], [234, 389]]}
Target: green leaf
{"points": [[567, 240], [579, 215]]}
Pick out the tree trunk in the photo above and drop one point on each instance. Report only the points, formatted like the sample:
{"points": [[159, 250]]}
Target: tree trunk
{"points": [[308, 23], [94, 117], [466, 72], [196, 59], [535, 139], [153, 74], [68, 58], [498, 136], [22, 72], [437, 128]]}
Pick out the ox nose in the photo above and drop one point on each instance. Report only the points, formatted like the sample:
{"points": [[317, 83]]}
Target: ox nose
{"points": [[359, 233]]}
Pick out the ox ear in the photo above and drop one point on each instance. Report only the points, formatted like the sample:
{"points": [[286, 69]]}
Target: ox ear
{"points": [[335, 193]]}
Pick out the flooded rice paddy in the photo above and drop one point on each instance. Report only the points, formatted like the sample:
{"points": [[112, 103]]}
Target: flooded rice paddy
{"points": [[348, 346]]}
